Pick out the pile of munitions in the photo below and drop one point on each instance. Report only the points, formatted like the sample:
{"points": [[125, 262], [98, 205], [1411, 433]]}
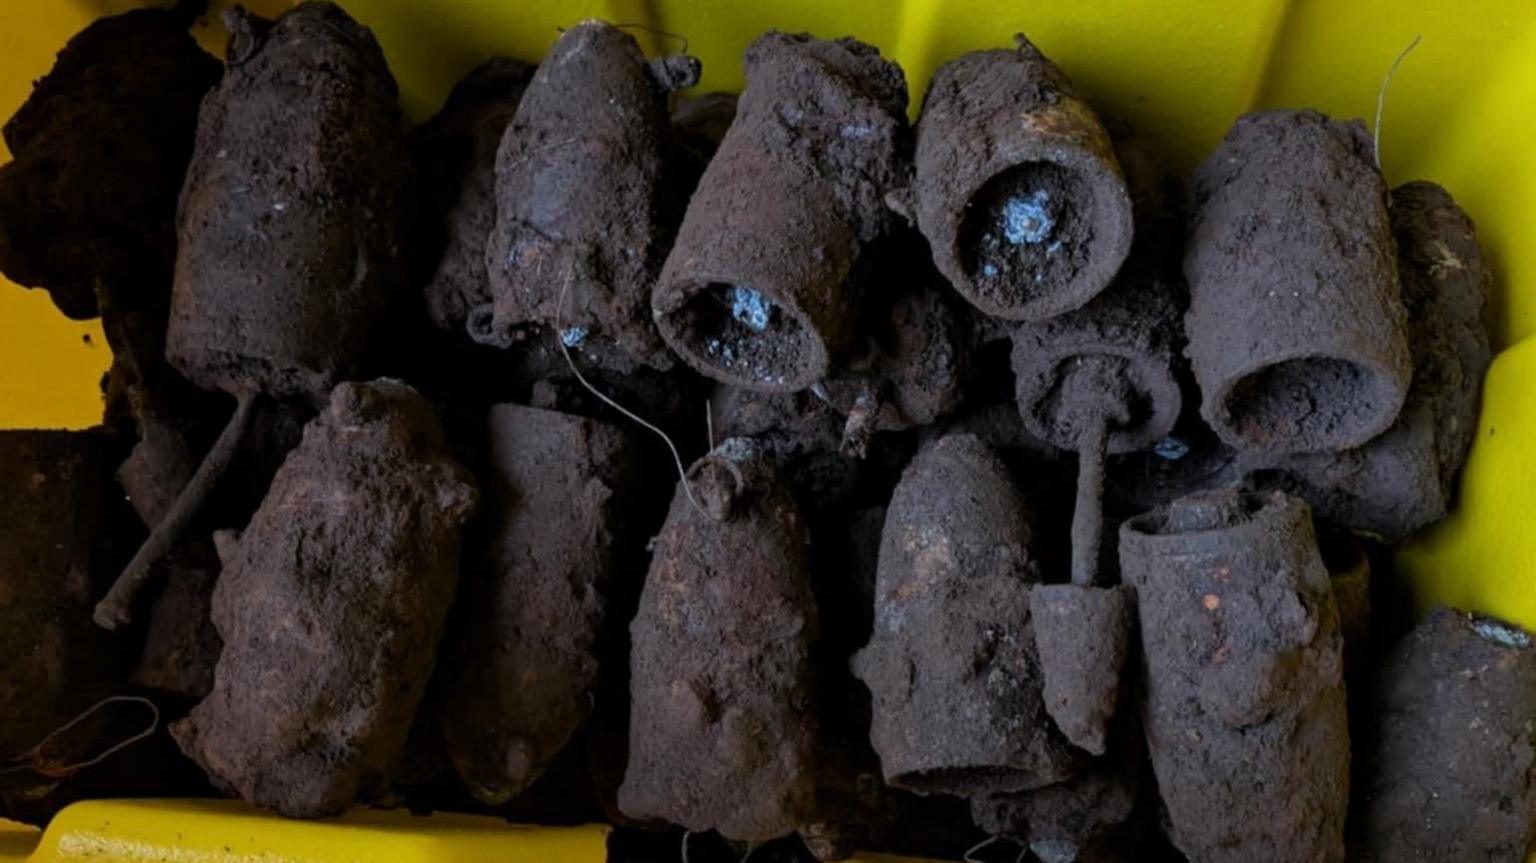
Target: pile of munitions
{"points": [[749, 465]]}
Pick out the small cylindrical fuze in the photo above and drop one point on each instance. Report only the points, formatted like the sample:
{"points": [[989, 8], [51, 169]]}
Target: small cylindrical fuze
{"points": [[1296, 325], [1243, 683], [723, 731], [762, 288], [1018, 189], [588, 198], [289, 268], [1454, 765], [331, 606], [1098, 380], [1404, 479], [99, 152], [952, 665], [455, 155], [518, 678]]}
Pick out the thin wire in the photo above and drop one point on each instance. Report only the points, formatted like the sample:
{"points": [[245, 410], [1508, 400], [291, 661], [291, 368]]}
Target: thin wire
{"points": [[709, 422], [682, 471], [649, 29], [751, 849], [687, 834], [1381, 96], [977, 847], [69, 769]]}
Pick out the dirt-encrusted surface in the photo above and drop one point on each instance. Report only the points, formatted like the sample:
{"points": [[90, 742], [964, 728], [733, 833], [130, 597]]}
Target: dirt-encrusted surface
{"points": [[99, 152], [1296, 325], [1134, 324], [952, 663], [455, 154], [1455, 745], [762, 288], [723, 732], [588, 198], [519, 673], [1017, 186], [64, 530], [855, 810], [1081, 635], [1404, 479], [1243, 694], [289, 270], [331, 607]]}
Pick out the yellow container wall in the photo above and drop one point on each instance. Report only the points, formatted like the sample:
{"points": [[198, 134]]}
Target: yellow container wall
{"points": [[1459, 112]]}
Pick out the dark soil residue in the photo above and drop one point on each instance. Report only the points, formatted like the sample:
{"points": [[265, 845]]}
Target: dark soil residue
{"points": [[290, 268], [952, 664], [1243, 685], [1296, 325], [1455, 747], [100, 150], [723, 717], [64, 530], [522, 668], [1017, 186], [331, 608], [763, 286]]}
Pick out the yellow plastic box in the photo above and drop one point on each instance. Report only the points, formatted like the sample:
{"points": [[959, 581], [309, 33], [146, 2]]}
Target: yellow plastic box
{"points": [[1461, 111]]}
